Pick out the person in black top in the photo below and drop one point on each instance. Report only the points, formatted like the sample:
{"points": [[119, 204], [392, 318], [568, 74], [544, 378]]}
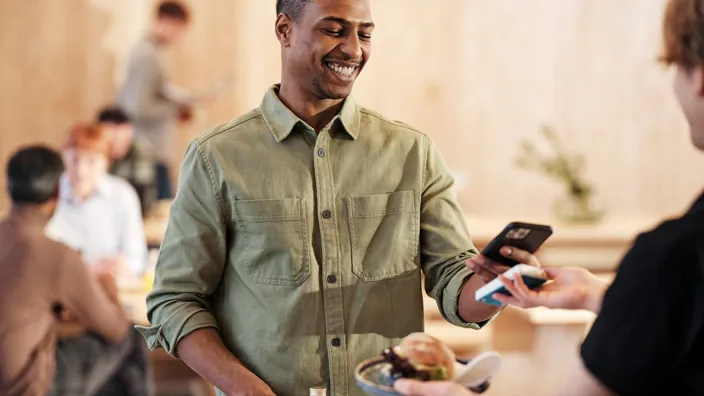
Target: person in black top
{"points": [[131, 158], [648, 338]]}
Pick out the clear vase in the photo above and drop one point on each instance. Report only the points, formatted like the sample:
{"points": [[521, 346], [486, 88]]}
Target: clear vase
{"points": [[585, 208]]}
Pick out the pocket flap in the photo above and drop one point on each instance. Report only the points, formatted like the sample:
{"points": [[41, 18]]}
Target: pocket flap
{"points": [[382, 204], [269, 209]]}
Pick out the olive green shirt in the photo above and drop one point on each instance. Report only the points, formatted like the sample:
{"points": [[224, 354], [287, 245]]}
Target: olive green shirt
{"points": [[305, 250]]}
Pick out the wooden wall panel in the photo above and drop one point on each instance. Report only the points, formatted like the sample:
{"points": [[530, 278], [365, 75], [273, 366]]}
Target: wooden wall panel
{"points": [[54, 71], [476, 75]]}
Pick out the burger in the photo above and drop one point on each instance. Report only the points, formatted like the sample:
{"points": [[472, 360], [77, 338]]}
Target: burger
{"points": [[421, 357]]}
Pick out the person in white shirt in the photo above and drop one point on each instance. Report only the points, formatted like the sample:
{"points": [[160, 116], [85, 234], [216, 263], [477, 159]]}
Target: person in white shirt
{"points": [[98, 214]]}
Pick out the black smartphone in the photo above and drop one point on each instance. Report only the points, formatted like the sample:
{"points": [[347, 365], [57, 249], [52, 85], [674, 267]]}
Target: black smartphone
{"points": [[525, 236]]}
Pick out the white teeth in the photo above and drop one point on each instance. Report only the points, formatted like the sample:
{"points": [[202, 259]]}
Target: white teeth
{"points": [[344, 71]]}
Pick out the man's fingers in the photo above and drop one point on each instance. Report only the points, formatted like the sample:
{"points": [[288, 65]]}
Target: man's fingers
{"points": [[509, 285], [481, 269], [553, 272], [519, 255], [506, 300], [521, 295], [522, 288]]}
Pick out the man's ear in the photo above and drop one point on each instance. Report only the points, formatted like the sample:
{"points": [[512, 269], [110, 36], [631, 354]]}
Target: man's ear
{"points": [[283, 29]]}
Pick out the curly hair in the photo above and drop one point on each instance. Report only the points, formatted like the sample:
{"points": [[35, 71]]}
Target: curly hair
{"points": [[683, 33]]}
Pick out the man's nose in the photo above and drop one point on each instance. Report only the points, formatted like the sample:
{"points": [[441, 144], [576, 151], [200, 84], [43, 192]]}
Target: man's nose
{"points": [[352, 47]]}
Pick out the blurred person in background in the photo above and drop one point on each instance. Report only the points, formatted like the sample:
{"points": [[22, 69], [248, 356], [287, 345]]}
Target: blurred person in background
{"points": [[40, 278], [130, 158], [648, 337], [152, 102], [98, 214]]}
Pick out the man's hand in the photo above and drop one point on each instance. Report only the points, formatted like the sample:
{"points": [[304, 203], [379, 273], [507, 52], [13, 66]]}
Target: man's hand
{"points": [[205, 353], [569, 288], [488, 269], [430, 388]]}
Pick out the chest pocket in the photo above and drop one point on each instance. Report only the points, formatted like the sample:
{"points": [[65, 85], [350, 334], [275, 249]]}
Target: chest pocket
{"points": [[275, 240], [384, 232]]}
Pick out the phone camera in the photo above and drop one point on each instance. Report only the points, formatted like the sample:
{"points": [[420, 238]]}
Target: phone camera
{"points": [[518, 233]]}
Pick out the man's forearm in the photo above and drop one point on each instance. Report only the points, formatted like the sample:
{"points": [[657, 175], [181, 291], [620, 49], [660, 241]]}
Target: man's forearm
{"points": [[205, 353], [471, 310]]}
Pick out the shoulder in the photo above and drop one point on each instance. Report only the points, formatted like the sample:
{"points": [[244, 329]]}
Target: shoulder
{"points": [[241, 127], [377, 121], [120, 189], [54, 248], [145, 48], [670, 242], [141, 148]]}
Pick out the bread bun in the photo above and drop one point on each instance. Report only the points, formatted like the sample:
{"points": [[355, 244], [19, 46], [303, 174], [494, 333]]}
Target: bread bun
{"points": [[427, 352]]}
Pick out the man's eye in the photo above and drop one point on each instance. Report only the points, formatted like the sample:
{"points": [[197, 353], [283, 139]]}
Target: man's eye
{"points": [[332, 32], [365, 37]]}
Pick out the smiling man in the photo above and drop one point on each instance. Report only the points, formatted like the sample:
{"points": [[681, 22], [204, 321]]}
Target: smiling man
{"points": [[300, 230]]}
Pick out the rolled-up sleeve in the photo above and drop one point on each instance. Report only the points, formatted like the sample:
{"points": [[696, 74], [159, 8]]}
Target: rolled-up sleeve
{"points": [[191, 259], [444, 240]]}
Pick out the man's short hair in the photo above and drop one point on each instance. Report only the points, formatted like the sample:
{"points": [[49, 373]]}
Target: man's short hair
{"points": [[173, 10], [33, 175], [89, 137], [292, 8], [113, 115], [683, 32]]}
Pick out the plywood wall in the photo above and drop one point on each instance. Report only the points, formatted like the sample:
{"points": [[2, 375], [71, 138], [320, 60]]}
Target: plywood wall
{"points": [[54, 70], [477, 75]]}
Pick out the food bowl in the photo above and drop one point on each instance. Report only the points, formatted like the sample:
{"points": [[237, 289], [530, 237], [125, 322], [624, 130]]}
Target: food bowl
{"points": [[474, 374]]}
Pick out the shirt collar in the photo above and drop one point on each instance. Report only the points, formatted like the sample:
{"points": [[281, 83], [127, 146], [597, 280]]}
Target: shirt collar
{"points": [[66, 192], [281, 120]]}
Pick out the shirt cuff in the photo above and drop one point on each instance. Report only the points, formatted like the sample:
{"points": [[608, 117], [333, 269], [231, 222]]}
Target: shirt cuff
{"points": [[168, 334], [451, 297]]}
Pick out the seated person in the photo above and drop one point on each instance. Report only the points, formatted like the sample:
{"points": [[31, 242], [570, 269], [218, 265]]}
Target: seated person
{"points": [[98, 214], [37, 275], [130, 158], [648, 338]]}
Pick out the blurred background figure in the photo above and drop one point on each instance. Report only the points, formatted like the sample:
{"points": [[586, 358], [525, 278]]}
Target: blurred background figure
{"points": [[42, 281], [130, 158], [152, 102], [98, 214]]}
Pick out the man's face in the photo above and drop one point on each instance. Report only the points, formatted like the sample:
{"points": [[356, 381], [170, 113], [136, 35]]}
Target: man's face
{"points": [[121, 136], [171, 30], [84, 169], [329, 45], [689, 90]]}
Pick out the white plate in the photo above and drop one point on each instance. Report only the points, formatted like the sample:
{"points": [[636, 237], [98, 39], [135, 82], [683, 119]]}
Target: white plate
{"points": [[479, 370]]}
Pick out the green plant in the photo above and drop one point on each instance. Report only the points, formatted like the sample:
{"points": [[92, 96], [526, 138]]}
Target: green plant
{"points": [[562, 166]]}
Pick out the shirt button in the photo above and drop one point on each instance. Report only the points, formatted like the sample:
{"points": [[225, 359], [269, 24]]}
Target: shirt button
{"points": [[321, 153], [336, 342], [327, 214], [332, 279]]}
